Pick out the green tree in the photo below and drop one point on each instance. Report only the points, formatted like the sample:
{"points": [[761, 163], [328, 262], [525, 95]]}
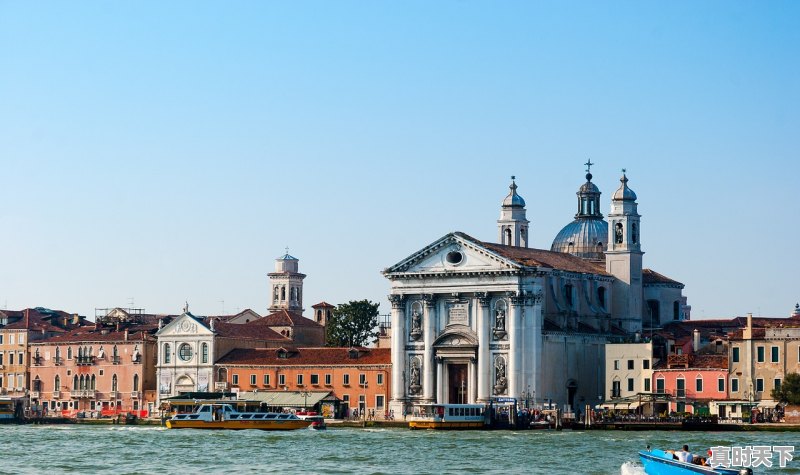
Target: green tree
{"points": [[789, 392], [353, 324]]}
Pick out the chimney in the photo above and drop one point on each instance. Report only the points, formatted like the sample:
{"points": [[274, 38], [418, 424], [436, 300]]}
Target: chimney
{"points": [[76, 319], [696, 340], [747, 334], [27, 318]]}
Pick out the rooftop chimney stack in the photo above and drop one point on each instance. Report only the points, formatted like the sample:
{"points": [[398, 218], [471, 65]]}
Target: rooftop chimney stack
{"points": [[696, 340]]}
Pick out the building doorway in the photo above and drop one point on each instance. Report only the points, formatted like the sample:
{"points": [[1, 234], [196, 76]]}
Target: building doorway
{"points": [[458, 384]]}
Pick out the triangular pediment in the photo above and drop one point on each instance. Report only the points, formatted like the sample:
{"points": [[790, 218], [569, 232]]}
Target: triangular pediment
{"points": [[246, 316], [453, 253], [185, 324]]}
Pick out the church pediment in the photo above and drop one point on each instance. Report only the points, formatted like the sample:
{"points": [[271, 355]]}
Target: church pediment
{"points": [[184, 325], [454, 253], [457, 336]]}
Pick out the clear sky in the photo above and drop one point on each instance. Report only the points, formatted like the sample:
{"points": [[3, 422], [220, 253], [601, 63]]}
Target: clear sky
{"points": [[157, 152]]}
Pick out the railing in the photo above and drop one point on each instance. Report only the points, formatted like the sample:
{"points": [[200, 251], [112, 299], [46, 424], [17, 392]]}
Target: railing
{"points": [[113, 394], [37, 361], [136, 394], [615, 393], [58, 360], [83, 394], [56, 394], [680, 393], [115, 360], [84, 360], [34, 394]]}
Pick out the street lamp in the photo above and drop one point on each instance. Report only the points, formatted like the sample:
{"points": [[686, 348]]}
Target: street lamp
{"points": [[305, 395]]}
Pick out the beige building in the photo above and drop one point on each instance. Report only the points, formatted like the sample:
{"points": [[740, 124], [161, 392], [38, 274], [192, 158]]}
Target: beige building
{"points": [[629, 373]]}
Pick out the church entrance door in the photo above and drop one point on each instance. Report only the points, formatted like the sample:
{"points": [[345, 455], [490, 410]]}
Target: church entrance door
{"points": [[458, 384]]}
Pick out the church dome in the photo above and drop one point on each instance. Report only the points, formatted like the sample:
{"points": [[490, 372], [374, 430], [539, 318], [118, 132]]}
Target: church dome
{"points": [[513, 199], [584, 238]]}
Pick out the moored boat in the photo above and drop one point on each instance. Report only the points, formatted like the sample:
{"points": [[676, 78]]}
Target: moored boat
{"points": [[659, 462], [317, 421], [450, 417], [223, 416]]}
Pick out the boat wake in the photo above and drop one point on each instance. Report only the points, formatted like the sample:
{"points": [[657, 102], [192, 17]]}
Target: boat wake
{"points": [[630, 468]]}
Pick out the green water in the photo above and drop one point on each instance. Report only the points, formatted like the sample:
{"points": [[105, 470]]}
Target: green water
{"points": [[134, 450]]}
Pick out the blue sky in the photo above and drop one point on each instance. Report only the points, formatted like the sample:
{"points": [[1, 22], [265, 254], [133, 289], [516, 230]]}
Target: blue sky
{"points": [[169, 151]]}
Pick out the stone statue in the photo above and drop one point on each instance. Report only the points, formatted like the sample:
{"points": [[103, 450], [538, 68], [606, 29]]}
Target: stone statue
{"points": [[414, 374], [500, 319], [416, 321], [500, 368], [500, 376]]}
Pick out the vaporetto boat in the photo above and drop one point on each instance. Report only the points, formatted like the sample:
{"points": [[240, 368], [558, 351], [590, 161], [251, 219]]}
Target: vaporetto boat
{"points": [[659, 462], [224, 416], [449, 417]]}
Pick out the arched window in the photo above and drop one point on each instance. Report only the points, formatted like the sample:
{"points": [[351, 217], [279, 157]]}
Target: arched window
{"points": [[676, 310], [93, 383], [699, 384], [276, 293], [204, 351], [283, 292], [58, 352], [601, 296], [115, 352], [618, 233], [135, 382], [167, 353], [634, 233], [568, 295], [114, 383], [508, 237], [75, 383], [57, 383], [69, 353]]}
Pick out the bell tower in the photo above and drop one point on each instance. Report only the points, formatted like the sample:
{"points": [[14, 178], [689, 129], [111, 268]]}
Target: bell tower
{"points": [[512, 225], [286, 285], [624, 258]]}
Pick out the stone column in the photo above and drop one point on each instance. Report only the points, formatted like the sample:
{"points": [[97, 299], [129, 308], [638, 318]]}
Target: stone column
{"points": [[429, 324], [399, 386], [472, 395], [439, 385], [484, 339], [536, 343], [515, 349]]}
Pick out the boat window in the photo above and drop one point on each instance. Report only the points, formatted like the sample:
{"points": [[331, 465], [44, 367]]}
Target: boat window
{"points": [[205, 409], [271, 416], [450, 411]]}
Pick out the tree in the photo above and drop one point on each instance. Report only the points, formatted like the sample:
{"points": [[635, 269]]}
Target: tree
{"points": [[353, 324], [789, 391]]}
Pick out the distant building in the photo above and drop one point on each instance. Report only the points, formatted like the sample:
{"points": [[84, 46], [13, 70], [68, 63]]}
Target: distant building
{"points": [[629, 372], [332, 380], [477, 321]]}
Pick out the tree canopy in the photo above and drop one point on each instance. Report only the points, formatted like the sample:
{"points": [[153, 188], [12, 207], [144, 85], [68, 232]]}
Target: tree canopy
{"points": [[353, 324], [789, 391]]}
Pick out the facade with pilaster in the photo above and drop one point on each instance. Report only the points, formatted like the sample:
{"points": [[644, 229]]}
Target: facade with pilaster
{"points": [[481, 322]]}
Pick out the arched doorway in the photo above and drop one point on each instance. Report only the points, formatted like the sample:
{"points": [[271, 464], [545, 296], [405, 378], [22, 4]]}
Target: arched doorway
{"points": [[572, 389]]}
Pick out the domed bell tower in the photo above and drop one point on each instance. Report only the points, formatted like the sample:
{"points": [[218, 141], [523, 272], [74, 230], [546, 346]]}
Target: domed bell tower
{"points": [[512, 225], [286, 285], [624, 258]]}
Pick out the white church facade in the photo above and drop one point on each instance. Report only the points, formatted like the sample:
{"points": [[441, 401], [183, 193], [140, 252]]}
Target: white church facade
{"points": [[476, 322]]}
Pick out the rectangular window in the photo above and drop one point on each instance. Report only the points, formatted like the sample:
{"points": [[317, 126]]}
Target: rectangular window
{"points": [[10, 338], [721, 385], [1, 359], [315, 379], [698, 383], [362, 379], [775, 354], [760, 354], [328, 379], [760, 385], [680, 387], [1, 339], [346, 399], [235, 379], [660, 385], [281, 380], [299, 379], [346, 379], [647, 385], [22, 339], [734, 385], [735, 354], [630, 384], [252, 380], [646, 363], [630, 364], [266, 380], [380, 378], [379, 401], [615, 390], [19, 357], [616, 364], [777, 383]]}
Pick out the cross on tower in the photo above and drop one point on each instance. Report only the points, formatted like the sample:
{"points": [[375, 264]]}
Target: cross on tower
{"points": [[624, 170], [287, 250], [589, 166]]}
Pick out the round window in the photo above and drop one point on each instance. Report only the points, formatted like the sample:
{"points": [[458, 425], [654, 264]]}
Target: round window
{"points": [[454, 257], [185, 352]]}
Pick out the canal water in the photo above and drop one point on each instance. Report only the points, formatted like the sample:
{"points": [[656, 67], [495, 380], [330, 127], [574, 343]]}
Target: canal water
{"points": [[143, 450]]}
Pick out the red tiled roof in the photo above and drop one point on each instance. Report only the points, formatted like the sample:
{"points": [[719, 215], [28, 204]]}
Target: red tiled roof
{"points": [[307, 357], [323, 304], [103, 334], [650, 276], [285, 318], [548, 259], [255, 330], [34, 320]]}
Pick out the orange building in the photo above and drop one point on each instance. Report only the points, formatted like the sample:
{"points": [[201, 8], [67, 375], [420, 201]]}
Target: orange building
{"points": [[104, 369], [334, 381]]}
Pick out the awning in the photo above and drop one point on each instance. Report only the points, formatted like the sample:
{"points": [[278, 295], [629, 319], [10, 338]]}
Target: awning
{"points": [[622, 404], [286, 398]]}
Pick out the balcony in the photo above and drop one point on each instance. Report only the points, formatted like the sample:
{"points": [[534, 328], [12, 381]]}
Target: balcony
{"points": [[83, 394], [84, 360], [136, 394], [113, 394], [56, 394], [58, 361], [115, 360], [34, 394], [680, 393], [37, 360], [615, 393]]}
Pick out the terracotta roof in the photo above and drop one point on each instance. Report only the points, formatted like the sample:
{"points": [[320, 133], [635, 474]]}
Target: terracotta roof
{"points": [[227, 318], [323, 304], [285, 318], [90, 333], [255, 330], [650, 276], [548, 259], [41, 319], [307, 357]]}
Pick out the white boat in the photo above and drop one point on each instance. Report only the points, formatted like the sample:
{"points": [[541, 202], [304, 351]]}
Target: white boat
{"points": [[224, 416], [450, 417]]}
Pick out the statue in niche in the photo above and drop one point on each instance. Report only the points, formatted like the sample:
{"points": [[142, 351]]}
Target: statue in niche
{"points": [[499, 323], [500, 376], [414, 385], [416, 325]]}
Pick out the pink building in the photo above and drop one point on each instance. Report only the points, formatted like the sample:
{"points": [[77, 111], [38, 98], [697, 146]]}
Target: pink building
{"points": [[693, 380], [104, 369]]}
